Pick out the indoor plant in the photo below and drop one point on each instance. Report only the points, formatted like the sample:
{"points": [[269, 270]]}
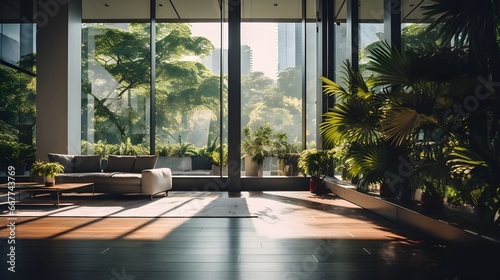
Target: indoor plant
{"points": [[48, 170], [16, 154], [287, 154], [255, 145], [315, 162], [219, 161]]}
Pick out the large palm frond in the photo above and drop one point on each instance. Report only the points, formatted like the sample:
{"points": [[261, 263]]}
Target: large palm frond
{"points": [[331, 88], [401, 122], [357, 85], [352, 119], [462, 21], [468, 23], [392, 65], [369, 162], [465, 163], [480, 180]]}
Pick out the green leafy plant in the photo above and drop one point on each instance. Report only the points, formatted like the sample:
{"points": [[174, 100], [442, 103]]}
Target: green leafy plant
{"points": [[315, 162], [219, 160], [13, 152], [213, 145], [282, 148], [257, 143], [47, 168], [183, 150]]}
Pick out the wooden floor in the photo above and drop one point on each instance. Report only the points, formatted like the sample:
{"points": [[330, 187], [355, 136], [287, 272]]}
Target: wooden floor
{"points": [[299, 236]]}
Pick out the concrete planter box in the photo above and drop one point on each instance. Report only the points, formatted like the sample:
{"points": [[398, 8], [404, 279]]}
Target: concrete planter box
{"points": [[407, 218], [175, 163]]}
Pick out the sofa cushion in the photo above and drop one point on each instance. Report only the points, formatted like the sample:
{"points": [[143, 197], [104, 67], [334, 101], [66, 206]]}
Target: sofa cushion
{"points": [[65, 160], [145, 162], [87, 163], [120, 164], [110, 179]]}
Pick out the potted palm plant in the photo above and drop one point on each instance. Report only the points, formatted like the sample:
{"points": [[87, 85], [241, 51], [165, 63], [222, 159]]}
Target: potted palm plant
{"points": [[315, 162], [48, 170]]}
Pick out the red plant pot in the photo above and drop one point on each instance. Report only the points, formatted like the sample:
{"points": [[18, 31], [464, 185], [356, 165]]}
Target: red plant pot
{"points": [[316, 185]]}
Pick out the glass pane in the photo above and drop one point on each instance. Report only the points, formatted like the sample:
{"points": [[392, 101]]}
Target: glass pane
{"points": [[272, 86], [371, 32], [189, 71], [115, 88], [17, 98], [188, 86], [313, 85], [17, 45], [342, 51]]}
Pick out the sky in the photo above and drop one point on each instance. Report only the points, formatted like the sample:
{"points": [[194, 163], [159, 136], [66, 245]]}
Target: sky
{"points": [[261, 37]]}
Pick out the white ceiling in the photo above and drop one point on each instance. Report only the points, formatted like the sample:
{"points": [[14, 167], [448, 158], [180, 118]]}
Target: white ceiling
{"points": [[208, 10], [252, 10]]}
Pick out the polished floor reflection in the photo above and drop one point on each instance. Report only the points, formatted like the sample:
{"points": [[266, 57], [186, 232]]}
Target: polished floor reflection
{"points": [[296, 235]]}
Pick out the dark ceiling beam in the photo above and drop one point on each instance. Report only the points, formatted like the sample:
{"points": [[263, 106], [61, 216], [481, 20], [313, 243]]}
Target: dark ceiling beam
{"points": [[413, 10], [175, 9]]}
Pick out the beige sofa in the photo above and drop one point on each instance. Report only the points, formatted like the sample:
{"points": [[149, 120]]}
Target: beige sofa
{"points": [[119, 174]]}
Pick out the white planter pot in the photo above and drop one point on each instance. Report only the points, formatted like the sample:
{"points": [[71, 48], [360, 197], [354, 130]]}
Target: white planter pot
{"points": [[252, 168], [216, 170], [49, 181]]}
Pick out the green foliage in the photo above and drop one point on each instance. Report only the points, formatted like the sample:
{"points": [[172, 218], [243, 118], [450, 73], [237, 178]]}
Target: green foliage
{"points": [[47, 168], [315, 162], [104, 149], [14, 152], [358, 112], [256, 143], [282, 148], [182, 149], [182, 86], [219, 160], [419, 136]]}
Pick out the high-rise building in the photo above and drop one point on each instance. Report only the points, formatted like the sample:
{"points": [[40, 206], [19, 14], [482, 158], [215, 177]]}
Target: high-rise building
{"points": [[212, 61]]}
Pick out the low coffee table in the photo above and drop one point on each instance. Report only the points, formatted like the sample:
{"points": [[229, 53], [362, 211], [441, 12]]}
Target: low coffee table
{"points": [[58, 188]]}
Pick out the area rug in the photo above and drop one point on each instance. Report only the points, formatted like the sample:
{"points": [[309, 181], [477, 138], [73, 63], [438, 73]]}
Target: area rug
{"points": [[177, 204]]}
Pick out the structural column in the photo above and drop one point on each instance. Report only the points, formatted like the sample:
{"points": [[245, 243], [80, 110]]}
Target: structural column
{"points": [[234, 96], [353, 32], [392, 22], [58, 96], [327, 58]]}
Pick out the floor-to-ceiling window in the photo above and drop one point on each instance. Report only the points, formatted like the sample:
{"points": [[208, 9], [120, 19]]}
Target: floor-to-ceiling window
{"points": [[17, 96], [189, 125], [115, 88], [119, 95], [191, 70], [278, 76]]}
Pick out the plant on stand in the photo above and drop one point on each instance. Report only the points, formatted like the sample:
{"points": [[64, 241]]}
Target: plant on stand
{"points": [[315, 162], [48, 170], [255, 147], [287, 154], [219, 161]]}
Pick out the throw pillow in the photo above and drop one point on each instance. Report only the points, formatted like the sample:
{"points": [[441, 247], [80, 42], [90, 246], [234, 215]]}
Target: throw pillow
{"points": [[120, 164], [65, 160], [144, 162], [87, 163]]}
